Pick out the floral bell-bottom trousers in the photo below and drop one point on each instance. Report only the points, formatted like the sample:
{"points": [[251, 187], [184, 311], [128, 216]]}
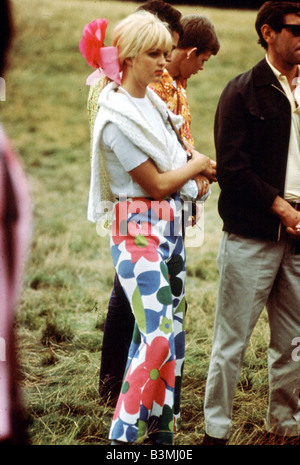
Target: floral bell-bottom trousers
{"points": [[149, 257]]}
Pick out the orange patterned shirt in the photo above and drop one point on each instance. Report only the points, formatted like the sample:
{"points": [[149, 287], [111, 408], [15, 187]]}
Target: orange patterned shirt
{"points": [[176, 99]]}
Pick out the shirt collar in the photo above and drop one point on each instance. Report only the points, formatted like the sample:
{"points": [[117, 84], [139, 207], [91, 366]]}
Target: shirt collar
{"points": [[293, 96], [277, 73]]}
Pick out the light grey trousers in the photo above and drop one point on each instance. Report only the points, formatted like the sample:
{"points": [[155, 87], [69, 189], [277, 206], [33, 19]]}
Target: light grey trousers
{"points": [[255, 274]]}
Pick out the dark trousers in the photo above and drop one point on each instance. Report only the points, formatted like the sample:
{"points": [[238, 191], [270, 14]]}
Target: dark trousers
{"points": [[117, 337]]}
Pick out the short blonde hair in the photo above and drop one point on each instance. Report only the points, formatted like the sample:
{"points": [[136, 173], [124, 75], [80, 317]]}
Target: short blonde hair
{"points": [[138, 33]]}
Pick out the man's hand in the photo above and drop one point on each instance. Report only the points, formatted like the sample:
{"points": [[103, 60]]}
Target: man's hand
{"points": [[288, 215], [203, 184]]}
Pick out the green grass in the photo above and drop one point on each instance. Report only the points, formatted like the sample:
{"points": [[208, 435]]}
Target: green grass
{"points": [[69, 275]]}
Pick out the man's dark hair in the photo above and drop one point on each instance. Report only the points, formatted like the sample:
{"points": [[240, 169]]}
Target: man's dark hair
{"points": [[6, 30], [165, 12], [273, 14], [198, 31]]}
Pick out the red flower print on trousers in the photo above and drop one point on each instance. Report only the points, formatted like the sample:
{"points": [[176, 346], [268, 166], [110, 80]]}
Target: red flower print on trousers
{"points": [[140, 242], [159, 372], [147, 383]]}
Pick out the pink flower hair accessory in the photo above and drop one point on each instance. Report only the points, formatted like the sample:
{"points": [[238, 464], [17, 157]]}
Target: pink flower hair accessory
{"points": [[92, 48]]}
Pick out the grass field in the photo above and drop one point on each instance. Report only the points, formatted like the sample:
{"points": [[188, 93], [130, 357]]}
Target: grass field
{"points": [[69, 274]]}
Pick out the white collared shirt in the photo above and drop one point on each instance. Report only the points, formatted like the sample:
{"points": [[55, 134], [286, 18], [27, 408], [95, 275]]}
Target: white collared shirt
{"points": [[292, 180]]}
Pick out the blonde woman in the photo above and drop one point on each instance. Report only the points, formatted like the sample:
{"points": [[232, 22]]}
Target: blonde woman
{"points": [[137, 157]]}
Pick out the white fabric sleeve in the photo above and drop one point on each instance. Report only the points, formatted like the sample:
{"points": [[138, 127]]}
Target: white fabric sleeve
{"points": [[128, 154], [130, 157]]}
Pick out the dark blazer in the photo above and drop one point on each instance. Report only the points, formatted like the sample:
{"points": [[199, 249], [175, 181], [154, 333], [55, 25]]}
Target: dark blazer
{"points": [[252, 130]]}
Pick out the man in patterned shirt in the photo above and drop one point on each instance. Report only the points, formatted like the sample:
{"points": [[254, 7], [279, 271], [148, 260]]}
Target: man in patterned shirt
{"points": [[195, 46]]}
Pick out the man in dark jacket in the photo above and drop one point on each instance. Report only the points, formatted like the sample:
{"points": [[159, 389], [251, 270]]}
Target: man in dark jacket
{"points": [[257, 137]]}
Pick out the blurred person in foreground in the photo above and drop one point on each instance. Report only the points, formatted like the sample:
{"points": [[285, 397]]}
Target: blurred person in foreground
{"points": [[136, 151], [194, 41], [15, 229], [258, 168]]}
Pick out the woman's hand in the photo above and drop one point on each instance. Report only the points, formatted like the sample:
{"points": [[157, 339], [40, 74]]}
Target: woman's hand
{"points": [[207, 166]]}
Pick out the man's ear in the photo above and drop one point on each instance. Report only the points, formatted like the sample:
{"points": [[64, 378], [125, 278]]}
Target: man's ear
{"points": [[190, 51], [267, 33]]}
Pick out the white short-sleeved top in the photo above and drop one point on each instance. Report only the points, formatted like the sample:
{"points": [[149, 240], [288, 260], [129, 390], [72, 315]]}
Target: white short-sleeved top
{"points": [[121, 155]]}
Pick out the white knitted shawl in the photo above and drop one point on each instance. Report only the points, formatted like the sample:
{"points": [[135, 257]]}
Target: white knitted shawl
{"points": [[140, 133]]}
